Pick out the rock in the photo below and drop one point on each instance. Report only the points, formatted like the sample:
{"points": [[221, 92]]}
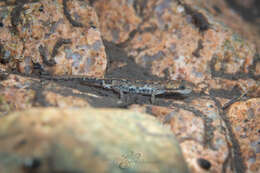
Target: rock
{"points": [[199, 42], [21, 93], [245, 123], [87, 140], [195, 41], [199, 129], [59, 37], [176, 40]]}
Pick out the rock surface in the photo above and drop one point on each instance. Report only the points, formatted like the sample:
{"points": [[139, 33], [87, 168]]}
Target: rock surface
{"points": [[245, 122], [87, 140], [59, 37], [217, 125]]}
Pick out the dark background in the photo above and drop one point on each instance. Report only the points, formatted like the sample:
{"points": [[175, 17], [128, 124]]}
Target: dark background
{"points": [[248, 9]]}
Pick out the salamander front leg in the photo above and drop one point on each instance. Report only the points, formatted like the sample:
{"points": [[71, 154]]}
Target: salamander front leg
{"points": [[121, 95], [153, 98]]}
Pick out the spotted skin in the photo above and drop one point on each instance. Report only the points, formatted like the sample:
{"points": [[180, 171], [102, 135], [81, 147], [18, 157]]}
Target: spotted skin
{"points": [[122, 86]]}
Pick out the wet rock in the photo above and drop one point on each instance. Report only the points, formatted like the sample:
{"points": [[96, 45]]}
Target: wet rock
{"points": [[87, 140]]}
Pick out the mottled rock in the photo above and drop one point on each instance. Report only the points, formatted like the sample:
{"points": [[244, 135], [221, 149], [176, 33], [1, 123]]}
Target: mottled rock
{"points": [[16, 93], [125, 19], [15, 2], [200, 130], [245, 122], [209, 137], [12, 99], [223, 12], [60, 37], [178, 40], [197, 41], [21, 93], [87, 140]]}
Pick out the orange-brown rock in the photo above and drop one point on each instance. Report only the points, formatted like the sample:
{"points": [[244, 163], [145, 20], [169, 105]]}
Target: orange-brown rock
{"points": [[245, 122], [203, 42], [61, 37]]}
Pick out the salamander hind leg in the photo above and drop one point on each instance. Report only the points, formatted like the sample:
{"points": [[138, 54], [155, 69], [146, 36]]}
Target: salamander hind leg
{"points": [[153, 98], [121, 95]]}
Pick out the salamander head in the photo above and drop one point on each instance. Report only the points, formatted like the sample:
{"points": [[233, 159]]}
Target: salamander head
{"points": [[180, 87]]}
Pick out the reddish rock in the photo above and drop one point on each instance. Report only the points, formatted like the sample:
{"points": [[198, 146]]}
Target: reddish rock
{"points": [[120, 22], [197, 41], [22, 93], [62, 36], [170, 39], [245, 122], [200, 131]]}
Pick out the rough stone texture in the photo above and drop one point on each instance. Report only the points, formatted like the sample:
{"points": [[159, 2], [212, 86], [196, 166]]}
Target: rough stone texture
{"points": [[15, 94], [125, 22], [181, 42], [170, 39], [22, 93], [200, 131], [87, 140], [60, 37], [192, 40], [15, 2], [223, 13], [245, 121], [15, 99]]}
